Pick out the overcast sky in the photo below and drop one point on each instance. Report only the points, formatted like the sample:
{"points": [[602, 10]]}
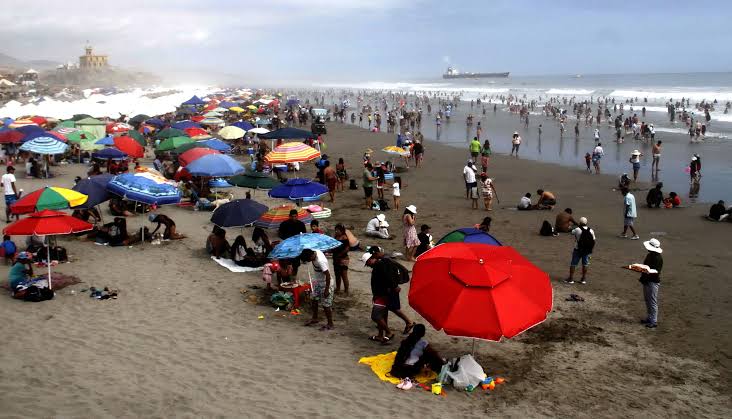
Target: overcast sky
{"points": [[358, 40]]}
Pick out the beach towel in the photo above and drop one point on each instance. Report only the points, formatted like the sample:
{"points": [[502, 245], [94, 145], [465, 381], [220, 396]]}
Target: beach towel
{"points": [[233, 267], [381, 365]]}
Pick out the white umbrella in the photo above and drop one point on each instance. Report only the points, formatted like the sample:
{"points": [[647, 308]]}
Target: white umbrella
{"points": [[259, 130]]}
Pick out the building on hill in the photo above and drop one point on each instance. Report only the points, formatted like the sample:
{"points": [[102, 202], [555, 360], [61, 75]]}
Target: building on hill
{"points": [[89, 61]]}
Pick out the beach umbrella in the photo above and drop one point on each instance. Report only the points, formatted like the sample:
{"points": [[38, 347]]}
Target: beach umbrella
{"points": [[23, 123], [231, 132], [246, 126], [117, 127], [45, 145], [396, 150], [129, 146], [237, 109], [50, 197], [137, 137], [38, 120], [47, 223], [195, 131], [212, 121], [219, 183], [217, 145], [145, 187], [212, 114], [155, 122], [479, 291], [183, 125], [228, 104], [95, 188], [39, 134], [89, 144], [258, 130], [29, 129], [67, 124], [252, 108], [173, 143], [11, 136], [80, 116], [291, 153], [298, 188], [254, 180], [293, 246], [190, 146], [108, 140], [288, 134], [238, 213], [469, 235], [187, 157], [169, 133], [139, 119], [109, 153], [275, 216], [78, 135], [215, 165]]}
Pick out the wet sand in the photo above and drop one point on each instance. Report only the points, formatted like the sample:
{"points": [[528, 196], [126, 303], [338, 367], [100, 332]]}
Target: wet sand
{"points": [[182, 340]]}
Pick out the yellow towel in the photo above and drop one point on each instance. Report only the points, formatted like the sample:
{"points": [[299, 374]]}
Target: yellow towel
{"points": [[381, 365]]}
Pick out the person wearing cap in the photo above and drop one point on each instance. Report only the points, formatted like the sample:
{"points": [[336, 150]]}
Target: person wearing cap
{"points": [[411, 241], [291, 226], [629, 214], [21, 272], [378, 227], [652, 281], [635, 161], [582, 250], [11, 192], [161, 219], [515, 143], [470, 180], [323, 287]]}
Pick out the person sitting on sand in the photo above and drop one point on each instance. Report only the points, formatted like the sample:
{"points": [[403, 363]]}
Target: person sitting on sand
{"points": [[525, 203], [415, 354], [564, 221], [485, 225], [718, 212], [315, 227], [673, 200], [216, 244], [118, 208], [243, 255], [261, 244], [169, 233], [378, 227], [655, 196], [20, 274], [425, 240], [546, 200]]}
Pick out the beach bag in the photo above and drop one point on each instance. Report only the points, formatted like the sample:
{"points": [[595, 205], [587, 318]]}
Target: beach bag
{"points": [[375, 206], [383, 205], [352, 185], [34, 294], [400, 274], [585, 243], [469, 373], [546, 229]]}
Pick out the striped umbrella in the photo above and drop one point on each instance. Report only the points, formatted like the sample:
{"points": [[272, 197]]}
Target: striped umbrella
{"points": [[212, 121], [392, 149], [48, 198], [293, 246], [146, 187], [291, 153], [275, 216], [22, 123], [195, 153], [45, 145]]}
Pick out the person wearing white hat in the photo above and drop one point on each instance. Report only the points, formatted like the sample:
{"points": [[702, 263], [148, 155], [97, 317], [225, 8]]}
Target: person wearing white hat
{"points": [[411, 240], [652, 281], [378, 227], [635, 161], [584, 244]]}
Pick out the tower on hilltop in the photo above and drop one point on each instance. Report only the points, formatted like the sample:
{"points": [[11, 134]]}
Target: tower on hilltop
{"points": [[89, 61]]}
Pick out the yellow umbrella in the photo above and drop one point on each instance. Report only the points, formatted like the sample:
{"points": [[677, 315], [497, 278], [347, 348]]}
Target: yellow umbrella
{"points": [[237, 109], [252, 107], [396, 150]]}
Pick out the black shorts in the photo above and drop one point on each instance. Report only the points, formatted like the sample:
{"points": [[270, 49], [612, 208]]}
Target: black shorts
{"points": [[368, 191], [394, 303], [379, 313]]}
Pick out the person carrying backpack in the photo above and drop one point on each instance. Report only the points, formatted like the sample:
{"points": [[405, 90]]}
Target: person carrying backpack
{"points": [[584, 245]]}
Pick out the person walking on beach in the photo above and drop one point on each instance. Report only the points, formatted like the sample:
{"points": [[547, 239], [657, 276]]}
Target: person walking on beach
{"points": [[656, 151], [652, 281], [488, 190], [597, 155], [515, 143], [474, 148], [368, 185], [11, 192], [323, 287], [411, 241], [629, 214], [635, 162], [485, 155], [584, 244], [469, 176]]}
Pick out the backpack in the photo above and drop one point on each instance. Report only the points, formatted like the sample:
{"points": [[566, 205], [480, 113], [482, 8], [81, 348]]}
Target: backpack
{"points": [[352, 184], [546, 229], [383, 205], [585, 243], [400, 274]]}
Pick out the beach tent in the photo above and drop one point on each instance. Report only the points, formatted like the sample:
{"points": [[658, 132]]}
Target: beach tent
{"points": [[195, 100], [94, 126]]}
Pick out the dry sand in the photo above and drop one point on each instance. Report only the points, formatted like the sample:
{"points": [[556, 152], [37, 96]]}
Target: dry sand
{"points": [[183, 341]]}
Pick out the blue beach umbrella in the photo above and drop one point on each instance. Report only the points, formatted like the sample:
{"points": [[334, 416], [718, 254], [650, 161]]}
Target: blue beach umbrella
{"points": [[31, 129], [219, 183], [238, 213], [246, 126], [298, 188], [45, 145], [140, 187], [108, 140], [215, 165], [157, 123], [217, 145], [95, 188], [109, 153], [181, 125], [292, 247]]}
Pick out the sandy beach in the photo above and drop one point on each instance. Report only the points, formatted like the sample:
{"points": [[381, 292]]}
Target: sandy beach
{"points": [[184, 338]]}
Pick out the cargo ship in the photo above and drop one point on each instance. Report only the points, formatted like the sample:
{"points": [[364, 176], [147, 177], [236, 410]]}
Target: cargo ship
{"points": [[452, 73]]}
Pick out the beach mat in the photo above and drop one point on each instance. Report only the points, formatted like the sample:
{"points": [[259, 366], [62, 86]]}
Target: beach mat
{"points": [[58, 281], [233, 267], [381, 365]]}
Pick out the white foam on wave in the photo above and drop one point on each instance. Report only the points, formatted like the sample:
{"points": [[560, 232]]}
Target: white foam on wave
{"points": [[417, 87], [694, 96], [570, 92], [128, 103]]}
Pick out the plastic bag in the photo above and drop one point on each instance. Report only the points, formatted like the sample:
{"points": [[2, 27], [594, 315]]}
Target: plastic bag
{"points": [[469, 373], [282, 299]]}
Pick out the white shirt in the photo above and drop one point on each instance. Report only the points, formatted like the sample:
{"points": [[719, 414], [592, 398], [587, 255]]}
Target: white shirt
{"points": [[577, 232], [516, 140], [469, 174], [599, 151], [629, 202], [373, 225], [416, 352], [525, 202], [320, 266], [396, 189], [8, 179]]}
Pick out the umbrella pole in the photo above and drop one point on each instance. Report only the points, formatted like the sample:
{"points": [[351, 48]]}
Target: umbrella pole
{"points": [[48, 259], [472, 351]]}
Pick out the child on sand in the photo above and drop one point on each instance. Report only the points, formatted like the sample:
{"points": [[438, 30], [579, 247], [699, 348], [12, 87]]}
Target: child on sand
{"points": [[397, 191], [588, 161]]}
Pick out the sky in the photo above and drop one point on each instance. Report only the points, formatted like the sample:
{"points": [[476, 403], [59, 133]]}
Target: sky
{"points": [[374, 40]]}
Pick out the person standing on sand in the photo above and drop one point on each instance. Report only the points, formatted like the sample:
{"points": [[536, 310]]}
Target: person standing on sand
{"points": [[368, 185], [470, 179], [11, 192], [488, 190], [656, 151], [515, 143], [411, 241], [629, 214], [323, 287], [635, 161], [584, 244], [652, 281], [331, 179], [597, 155]]}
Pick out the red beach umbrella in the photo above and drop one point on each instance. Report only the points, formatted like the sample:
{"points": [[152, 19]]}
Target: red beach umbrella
{"points": [[47, 223], [195, 131], [197, 118], [11, 136], [195, 153], [38, 120], [129, 146], [479, 291]]}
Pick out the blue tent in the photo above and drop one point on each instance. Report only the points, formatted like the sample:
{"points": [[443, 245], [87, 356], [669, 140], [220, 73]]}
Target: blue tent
{"points": [[181, 125], [287, 134], [195, 100], [246, 126]]}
